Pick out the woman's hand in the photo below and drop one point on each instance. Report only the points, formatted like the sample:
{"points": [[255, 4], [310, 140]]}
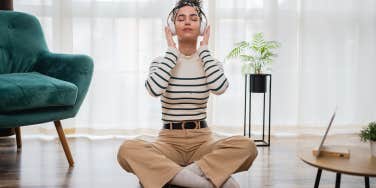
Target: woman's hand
{"points": [[170, 40], [205, 40]]}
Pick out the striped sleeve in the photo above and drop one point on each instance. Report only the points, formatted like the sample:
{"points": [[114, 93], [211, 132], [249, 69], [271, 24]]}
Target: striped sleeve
{"points": [[215, 77], [160, 72]]}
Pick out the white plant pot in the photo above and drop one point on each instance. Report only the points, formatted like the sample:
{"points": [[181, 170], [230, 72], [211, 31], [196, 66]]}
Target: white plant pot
{"points": [[373, 148]]}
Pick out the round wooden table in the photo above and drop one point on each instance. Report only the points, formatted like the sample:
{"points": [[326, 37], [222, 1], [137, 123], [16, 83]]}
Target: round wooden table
{"points": [[360, 163]]}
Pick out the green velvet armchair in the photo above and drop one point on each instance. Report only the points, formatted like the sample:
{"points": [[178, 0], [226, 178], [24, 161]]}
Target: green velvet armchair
{"points": [[37, 86]]}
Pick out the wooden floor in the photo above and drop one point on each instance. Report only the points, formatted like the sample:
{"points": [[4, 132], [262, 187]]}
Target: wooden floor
{"points": [[42, 163]]}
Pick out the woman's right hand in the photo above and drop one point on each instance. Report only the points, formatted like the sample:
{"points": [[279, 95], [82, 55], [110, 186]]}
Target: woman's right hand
{"points": [[170, 40]]}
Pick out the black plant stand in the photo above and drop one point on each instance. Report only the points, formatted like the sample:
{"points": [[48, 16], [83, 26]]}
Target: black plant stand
{"points": [[248, 92]]}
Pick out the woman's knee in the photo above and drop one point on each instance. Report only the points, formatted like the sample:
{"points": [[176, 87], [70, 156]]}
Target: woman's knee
{"points": [[126, 151], [247, 146], [248, 150], [253, 149]]}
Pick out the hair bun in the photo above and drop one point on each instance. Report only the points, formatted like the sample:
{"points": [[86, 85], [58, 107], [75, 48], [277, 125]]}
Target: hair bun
{"points": [[182, 3]]}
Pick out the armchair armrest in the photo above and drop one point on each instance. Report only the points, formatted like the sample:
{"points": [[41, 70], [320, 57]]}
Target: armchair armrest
{"points": [[76, 69]]}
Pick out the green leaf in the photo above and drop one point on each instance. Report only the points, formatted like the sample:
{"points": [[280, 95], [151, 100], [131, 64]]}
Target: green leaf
{"points": [[247, 58], [239, 49]]}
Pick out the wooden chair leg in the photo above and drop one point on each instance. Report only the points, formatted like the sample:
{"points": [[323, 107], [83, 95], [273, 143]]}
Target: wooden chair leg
{"points": [[18, 137], [64, 142]]}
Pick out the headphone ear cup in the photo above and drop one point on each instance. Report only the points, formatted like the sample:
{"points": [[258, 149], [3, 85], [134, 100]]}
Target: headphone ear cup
{"points": [[202, 27], [173, 30], [202, 30], [171, 25]]}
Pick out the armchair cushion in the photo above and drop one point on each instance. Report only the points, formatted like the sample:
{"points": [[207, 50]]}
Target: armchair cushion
{"points": [[25, 91]]}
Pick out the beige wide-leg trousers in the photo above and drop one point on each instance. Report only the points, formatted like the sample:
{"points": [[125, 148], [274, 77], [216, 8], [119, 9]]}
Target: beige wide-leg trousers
{"points": [[156, 163]]}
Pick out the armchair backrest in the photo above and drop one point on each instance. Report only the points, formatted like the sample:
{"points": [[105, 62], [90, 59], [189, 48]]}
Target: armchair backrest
{"points": [[21, 41]]}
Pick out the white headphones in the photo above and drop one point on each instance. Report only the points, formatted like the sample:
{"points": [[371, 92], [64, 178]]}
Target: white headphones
{"points": [[171, 24]]}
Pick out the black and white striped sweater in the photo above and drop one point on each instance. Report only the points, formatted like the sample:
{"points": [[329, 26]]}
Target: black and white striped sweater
{"points": [[185, 82]]}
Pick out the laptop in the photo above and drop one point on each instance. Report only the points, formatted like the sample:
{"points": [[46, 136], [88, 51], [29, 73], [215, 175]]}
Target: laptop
{"points": [[331, 151], [321, 146]]}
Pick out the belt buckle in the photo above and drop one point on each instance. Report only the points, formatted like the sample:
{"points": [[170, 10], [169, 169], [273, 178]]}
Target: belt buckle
{"points": [[170, 123], [197, 123], [183, 124]]}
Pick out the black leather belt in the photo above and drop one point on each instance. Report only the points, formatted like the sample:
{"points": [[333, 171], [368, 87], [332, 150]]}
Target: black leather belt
{"points": [[186, 125]]}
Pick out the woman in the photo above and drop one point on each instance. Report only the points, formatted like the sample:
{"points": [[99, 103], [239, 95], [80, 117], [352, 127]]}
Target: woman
{"points": [[185, 153]]}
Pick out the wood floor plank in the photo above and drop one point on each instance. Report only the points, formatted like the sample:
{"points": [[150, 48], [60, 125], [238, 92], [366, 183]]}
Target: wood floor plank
{"points": [[42, 163]]}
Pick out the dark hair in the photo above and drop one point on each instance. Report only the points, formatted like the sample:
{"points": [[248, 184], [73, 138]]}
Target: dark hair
{"points": [[193, 3]]}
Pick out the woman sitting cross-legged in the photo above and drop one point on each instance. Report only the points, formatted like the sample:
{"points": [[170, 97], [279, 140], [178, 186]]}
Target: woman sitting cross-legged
{"points": [[185, 152]]}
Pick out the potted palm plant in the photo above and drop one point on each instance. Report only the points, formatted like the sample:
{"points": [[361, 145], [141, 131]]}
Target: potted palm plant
{"points": [[369, 134], [256, 56]]}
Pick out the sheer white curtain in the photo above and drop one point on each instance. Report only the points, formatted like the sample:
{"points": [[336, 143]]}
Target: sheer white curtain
{"points": [[327, 58]]}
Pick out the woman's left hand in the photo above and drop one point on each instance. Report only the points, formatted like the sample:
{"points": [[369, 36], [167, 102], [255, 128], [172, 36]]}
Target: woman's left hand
{"points": [[205, 40]]}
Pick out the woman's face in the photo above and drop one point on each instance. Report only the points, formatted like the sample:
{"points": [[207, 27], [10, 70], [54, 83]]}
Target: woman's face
{"points": [[187, 23]]}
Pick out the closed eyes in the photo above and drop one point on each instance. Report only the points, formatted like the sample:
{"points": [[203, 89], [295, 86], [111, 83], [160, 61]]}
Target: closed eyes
{"points": [[193, 17]]}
